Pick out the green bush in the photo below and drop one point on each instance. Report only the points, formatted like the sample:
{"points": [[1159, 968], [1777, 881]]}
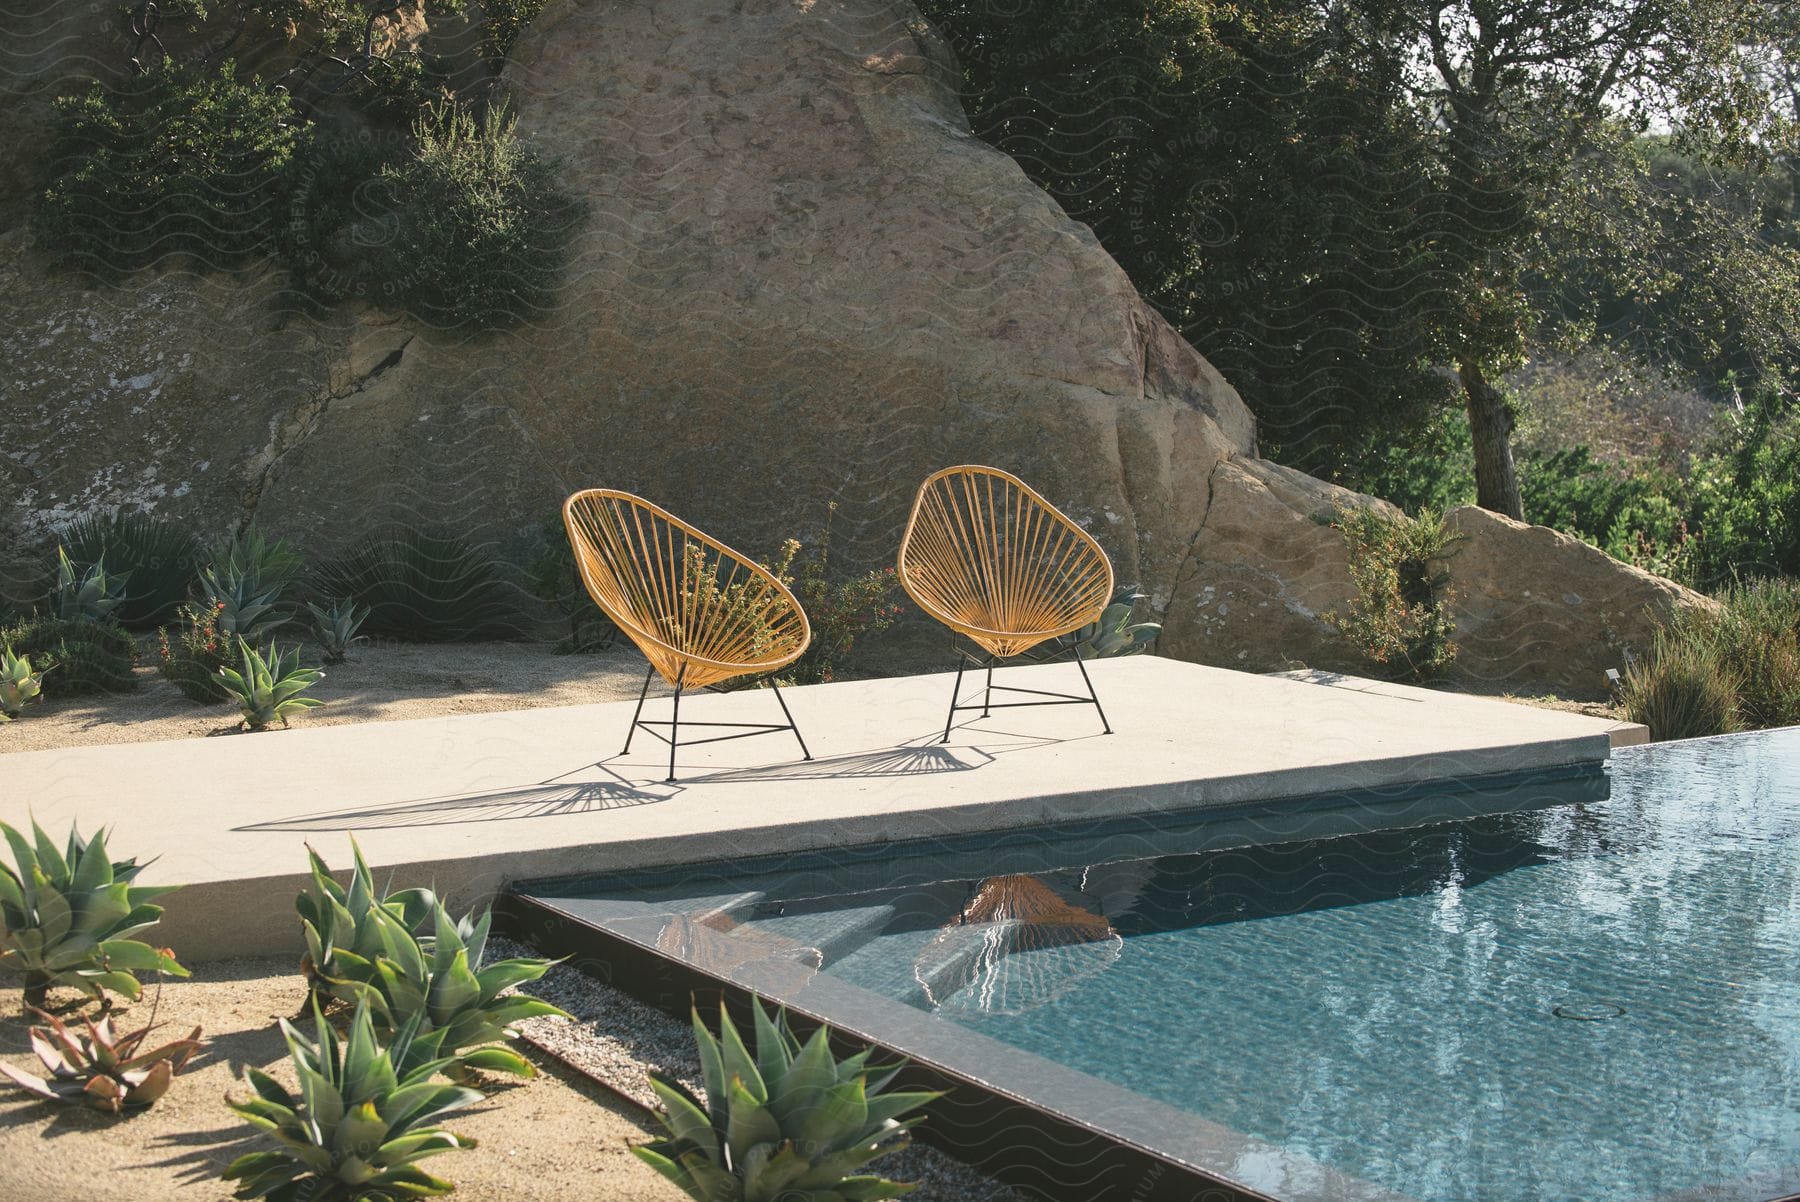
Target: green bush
{"points": [[77, 657], [1757, 636], [840, 609], [178, 160], [424, 587], [1684, 689], [332, 212], [157, 557], [1399, 620], [474, 229], [192, 659], [552, 577]]}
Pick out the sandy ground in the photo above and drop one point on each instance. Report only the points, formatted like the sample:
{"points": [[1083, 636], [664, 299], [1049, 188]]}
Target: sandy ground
{"points": [[379, 683], [556, 1138]]}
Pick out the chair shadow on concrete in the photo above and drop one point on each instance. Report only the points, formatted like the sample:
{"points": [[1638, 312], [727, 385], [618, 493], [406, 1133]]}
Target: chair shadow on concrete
{"points": [[900, 761], [551, 798]]}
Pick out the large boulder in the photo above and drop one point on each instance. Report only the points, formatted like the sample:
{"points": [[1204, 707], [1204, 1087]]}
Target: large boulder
{"points": [[801, 281]]}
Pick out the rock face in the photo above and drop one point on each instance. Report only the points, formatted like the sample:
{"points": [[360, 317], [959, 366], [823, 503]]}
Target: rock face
{"points": [[802, 280]]}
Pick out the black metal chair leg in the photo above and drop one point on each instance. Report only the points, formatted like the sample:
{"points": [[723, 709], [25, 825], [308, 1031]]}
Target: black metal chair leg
{"points": [[955, 691], [639, 711], [1105, 725], [675, 728], [987, 693], [774, 684]]}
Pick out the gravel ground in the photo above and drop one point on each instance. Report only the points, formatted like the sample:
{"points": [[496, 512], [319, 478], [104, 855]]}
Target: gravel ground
{"points": [[619, 1040]]}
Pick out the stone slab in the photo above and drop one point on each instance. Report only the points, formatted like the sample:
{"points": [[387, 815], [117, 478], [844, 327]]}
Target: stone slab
{"points": [[472, 802]]}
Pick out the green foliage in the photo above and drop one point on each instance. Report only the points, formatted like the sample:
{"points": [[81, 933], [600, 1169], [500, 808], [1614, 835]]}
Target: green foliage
{"points": [[337, 919], [192, 659], [473, 229], [155, 558], [1400, 618], [19, 685], [424, 587], [86, 657], [335, 627], [67, 917], [265, 564], [785, 1121], [268, 690], [333, 217], [178, 160], [503, 22], [85, 593], [103, 1069], [553, 578], [1683, 689], [239, 605], [840, 611], [370, 950], [360, 1125], [1114, 633]]}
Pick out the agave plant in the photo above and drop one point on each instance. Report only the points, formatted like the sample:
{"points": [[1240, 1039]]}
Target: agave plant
{"points": [[241, 606], [1114, 633], [66, 918], [342, 937], [18, 683], [269, 689], [364, 948], [360, 1125], [791, 1122], [102, 1068], [85, 594], [336, 627]]}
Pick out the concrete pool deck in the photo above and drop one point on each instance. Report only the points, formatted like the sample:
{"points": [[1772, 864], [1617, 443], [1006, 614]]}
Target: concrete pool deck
{"points": [[470, 803]]}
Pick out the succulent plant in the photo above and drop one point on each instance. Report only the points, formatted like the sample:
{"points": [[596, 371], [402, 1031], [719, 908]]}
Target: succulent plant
{"points": [[18, 683], [87, 657], [360, 1125], [102, 1069], [269, 689], [791, 1122], [1114, 633], [368, 949], [241, 606], [335, 627], [66, 918], [85, 594], [337, 920]]}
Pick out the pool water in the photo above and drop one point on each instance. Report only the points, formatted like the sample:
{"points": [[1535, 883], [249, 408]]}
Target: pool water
{"points": [[1595, 1001]]}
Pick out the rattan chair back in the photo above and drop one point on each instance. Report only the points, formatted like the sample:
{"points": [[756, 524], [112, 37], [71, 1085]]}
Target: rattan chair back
{"points": [[700, 612], [990, 558]]}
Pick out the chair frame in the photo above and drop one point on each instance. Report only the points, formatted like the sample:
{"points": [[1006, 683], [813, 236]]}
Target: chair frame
{"points": [[654, 647], [985, 638]]}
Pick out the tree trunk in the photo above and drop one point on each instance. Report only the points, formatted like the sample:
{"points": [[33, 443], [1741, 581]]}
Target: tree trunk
{"points": [[1491, 425]]}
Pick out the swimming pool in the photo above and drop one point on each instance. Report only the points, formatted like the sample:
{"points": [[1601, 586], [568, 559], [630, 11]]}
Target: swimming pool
{"points": [[1580, 995]]}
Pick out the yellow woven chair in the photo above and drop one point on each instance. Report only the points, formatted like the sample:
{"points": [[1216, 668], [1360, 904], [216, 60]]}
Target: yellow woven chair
{"points": [[990, 558], [700, 612]]}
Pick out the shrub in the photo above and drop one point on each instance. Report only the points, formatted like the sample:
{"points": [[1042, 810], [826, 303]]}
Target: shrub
{"points": [[86, 657], [102, 1069], [553, 578], [268, 690], [333, 209], [178, 160], [1757, 634], [475, 230], [157, 557], [502, 23], [239, 605], [840, 611], [265, 564], [1683, 689], [68, 917], [360, 1125], [424, 587], [191, 661], [342, 937], [787, 1120], [1399, 620]]}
